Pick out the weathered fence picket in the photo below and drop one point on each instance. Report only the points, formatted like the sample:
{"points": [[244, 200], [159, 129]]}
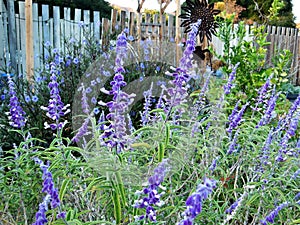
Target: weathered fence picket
{"points": [[59, 30]]}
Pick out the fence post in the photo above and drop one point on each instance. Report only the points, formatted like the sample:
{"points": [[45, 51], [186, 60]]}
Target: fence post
{"points": [[177, 24], [56, 27], [29, 42], [12, 33]]}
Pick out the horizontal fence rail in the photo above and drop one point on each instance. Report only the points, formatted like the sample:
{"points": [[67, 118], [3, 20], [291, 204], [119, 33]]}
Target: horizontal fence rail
{"points": [[64, 25]]}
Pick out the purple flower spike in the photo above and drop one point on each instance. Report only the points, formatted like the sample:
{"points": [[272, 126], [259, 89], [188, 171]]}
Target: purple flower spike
{"points": [[231, 78], [271, 217], [56, 108], [262, 93], [16, 113], [289, 133], [51, 197], [153, 197], [195, 201], [181, 75], [40, 216], [233, 206], [236, 118], [84, 100], [232, 145], [83, 130], [269, 111], [147, 105], [114, 135]]}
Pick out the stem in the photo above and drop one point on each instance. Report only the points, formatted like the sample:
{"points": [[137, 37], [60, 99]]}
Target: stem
{"points": [[23, 207]]}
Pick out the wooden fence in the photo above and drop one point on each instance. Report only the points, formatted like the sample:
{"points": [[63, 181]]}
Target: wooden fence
{"points": [[56, 29]]}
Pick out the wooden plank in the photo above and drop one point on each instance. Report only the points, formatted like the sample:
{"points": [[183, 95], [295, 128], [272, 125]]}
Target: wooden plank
{"points": [[46, 28], [268, 39], [77, 25], [155, 29], [19, 56], [114, 15], [87, 21], [67, 23], [170, 27], [62, 32], [2, 45], [147, 25], [41, 42], [96, 25], [132, 30], [29, 42], [5, 36], [2, 7], [36, 43], [22, 36], [50, 24], [282, 38], [163, 27], [56, 27], [12, 34], [296, 58], [123, 20], [105, 33]]}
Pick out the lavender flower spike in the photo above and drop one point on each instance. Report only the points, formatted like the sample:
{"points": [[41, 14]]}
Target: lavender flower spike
{"points": [[271, 217], [16, 113], [153, 198], [40, 216], [115, 134], [56, 108], [231, 78], [195, 201], [262, 93], [181, 75], [269, 111], [147, 105], [50, 190], [233, 206], [232, 145], [235, 118]]}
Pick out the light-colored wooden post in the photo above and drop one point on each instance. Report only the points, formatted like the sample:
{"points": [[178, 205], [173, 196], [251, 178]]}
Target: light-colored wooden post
{"points": [[12, 33], [177, 32], [29, 41]]}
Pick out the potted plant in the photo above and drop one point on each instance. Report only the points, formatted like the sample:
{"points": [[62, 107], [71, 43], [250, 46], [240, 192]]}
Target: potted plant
{"points": [[291, 91]]}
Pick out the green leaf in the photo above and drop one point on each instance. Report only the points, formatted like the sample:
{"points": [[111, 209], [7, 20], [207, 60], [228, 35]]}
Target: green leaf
{"points": [[63, 188], [92, 184], [161, 151]]}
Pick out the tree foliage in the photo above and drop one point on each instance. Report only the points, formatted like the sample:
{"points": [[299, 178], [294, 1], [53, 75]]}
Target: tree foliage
{"points": [[94, 5], [256, 10]]}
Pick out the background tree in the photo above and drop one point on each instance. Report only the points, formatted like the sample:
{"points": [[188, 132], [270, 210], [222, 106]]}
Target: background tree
{"points": [[256, 10], [95, 5]]}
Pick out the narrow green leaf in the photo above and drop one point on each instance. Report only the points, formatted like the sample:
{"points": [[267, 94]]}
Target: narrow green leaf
{"points": [[161, 151], [168, 131], [63, 188], [117, 207]]}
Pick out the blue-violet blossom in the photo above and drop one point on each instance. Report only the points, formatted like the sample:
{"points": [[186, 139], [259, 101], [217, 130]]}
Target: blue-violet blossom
{"points": [[153, 197], [16, 112], [51, 197], [115, 134], [56, 108], [195, 201]]}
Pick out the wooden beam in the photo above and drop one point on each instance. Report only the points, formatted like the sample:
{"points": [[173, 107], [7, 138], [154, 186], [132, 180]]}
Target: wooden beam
{"points": [[29, 41], [177, 24], [12, 34]]}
